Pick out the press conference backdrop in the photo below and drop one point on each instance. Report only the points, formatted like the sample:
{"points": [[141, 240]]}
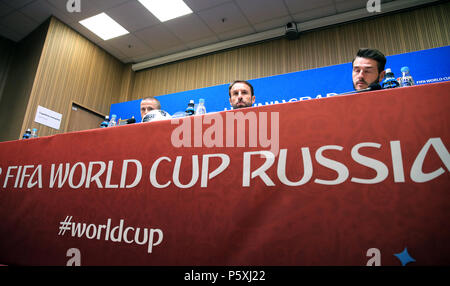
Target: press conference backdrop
{"points": [[426, 66]]}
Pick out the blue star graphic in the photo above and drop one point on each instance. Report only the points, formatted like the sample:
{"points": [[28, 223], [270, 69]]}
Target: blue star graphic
{"points": [[404, 257]]}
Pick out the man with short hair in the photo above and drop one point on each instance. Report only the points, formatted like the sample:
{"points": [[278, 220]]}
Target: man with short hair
{"points": [[368, 68], [148, 104], [241, 94]]}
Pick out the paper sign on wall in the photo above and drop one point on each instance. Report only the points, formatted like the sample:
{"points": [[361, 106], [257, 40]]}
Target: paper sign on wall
{"points": [[48, 117]]}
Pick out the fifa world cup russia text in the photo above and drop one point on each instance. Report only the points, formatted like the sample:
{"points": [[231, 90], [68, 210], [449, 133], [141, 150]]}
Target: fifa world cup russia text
{"points": [[128, 174]]}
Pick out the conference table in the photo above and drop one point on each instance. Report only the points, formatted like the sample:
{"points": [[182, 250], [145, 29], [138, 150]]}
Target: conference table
{"points": [[359, 179]]}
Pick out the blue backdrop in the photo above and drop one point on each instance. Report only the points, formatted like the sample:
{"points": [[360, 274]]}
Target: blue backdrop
{"points": [[427, 66]]}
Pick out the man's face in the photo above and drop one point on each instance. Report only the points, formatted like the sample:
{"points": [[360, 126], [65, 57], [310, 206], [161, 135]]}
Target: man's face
{"points": [[241, 96], [147, 106], [365, 72]]}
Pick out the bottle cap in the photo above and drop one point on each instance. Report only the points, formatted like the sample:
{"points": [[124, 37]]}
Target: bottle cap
{"points": [[201, 100], [388, 70], [405, 69]]}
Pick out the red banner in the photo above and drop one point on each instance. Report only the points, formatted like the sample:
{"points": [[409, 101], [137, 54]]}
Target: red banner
{"points": [[349, 180]]}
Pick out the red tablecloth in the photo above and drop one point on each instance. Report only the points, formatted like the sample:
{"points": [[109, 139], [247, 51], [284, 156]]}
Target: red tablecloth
{"points": [[347, 174]]}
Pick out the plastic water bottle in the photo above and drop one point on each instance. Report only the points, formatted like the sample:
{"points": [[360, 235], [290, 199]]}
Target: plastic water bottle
{"points": [[201, 109], [27, 134], [105, 123], [112, 122], [34, 133], [190, 109], [407, 79], [389, 80]]}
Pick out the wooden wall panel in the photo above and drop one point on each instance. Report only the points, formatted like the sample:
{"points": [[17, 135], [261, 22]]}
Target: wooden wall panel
{"points": [[127, 83], [18, 86], [73, 69], [7, 49], [408, 31]]}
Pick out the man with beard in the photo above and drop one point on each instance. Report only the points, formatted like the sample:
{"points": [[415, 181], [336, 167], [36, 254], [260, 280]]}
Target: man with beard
{"points": [[241, 94], [368, 68]]}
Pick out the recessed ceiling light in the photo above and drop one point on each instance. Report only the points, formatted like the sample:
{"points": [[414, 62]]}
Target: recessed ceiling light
{"points": [[104, 26], [166, 10]]}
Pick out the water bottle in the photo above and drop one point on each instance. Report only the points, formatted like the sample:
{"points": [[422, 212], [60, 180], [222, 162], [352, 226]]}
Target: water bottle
{"points": [[201, 109], [105, 123], [389, 80], [27, 134], [34, 133], [112, 122], [407, 79], [190, 109]]}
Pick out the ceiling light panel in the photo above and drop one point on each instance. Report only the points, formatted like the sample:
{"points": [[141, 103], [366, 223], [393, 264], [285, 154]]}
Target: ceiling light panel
{"points": [[104, 26], [166, 10]]}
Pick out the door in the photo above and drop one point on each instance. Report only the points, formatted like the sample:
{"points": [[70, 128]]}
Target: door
{"points": [[81, 118]]}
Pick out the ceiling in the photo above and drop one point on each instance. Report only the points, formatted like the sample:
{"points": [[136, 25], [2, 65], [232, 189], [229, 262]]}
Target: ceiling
{"points": [[213, 21]]}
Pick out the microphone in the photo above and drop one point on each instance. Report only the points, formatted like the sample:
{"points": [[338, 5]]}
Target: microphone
{"points": [[372, 86]]}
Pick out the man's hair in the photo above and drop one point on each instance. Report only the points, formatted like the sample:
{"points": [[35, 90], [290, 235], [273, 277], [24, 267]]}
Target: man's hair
{"points": [[373, 54], [240, 81], [158, 104]]}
